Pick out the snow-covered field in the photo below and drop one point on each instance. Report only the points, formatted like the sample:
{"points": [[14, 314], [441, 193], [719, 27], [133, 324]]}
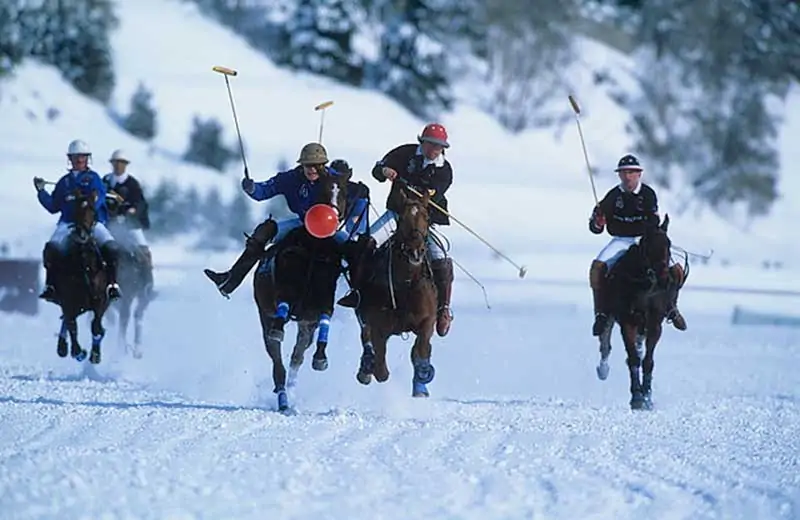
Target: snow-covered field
{"points": [[518, 426]]}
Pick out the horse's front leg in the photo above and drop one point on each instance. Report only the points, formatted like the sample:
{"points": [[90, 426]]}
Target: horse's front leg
{"points": [[648, 363], [273, 346], [421, 359], [123, 306], [320, 360], [367, 364], [278, 322], [305, 336], [98, 333], [62, 347], [605, 350], [138, 318], [76, 351], [379, 340], [629, 336]]}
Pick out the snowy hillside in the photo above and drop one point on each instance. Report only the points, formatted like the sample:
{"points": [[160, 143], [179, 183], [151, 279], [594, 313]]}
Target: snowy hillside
{"points": [[507, 186]]}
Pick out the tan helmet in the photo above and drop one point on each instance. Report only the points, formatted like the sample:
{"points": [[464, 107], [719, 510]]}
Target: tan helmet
{"points": [[313, 153]]}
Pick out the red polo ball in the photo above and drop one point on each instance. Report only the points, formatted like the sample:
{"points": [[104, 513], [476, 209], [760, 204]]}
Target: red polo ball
{"points": [[321, 221]]}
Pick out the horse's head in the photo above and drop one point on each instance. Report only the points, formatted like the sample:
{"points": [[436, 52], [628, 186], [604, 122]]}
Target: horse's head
{"points": [[655, 248], [85, 212], [412, 226], [333, 191]]}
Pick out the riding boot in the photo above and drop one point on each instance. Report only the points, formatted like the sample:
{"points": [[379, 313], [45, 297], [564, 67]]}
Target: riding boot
{"points": [[443, 279], [597, 281], [356, 254], [230, 280], [51, 257], [111, 253], [674, 315]]}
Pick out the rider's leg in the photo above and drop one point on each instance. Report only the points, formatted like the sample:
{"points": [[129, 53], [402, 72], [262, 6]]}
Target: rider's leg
{"points": [[53, 255], [228, 281], [442, 268], [388, 216], [673, 314], [111, 252], [144, 255], [604, 261], [356, 253]]}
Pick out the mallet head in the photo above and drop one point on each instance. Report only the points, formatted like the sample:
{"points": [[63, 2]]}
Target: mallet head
{"points": [[224, 70], [323, 106]]}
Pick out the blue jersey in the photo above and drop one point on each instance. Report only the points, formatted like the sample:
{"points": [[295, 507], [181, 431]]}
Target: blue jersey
{"points": [[86, 182], [300, 193]]}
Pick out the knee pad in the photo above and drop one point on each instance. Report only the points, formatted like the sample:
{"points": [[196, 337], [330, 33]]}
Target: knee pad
{"points": [[597, 274], [262, 234]]}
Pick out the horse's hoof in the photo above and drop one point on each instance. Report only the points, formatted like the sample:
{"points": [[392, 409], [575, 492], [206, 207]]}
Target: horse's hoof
{"points": [[364, 378], [137, 354], [283, 401], [94, 357], [381, 376], [367, 365], [637, 401], [62, 347], [291, 377], [603, 370], [419, 390], [319, 364], [80, 356]]}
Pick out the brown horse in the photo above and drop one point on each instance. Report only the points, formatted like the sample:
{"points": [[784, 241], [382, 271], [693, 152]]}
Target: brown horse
{"points": [[641, 290], [296, 281], [399, 296], [82, 281]]}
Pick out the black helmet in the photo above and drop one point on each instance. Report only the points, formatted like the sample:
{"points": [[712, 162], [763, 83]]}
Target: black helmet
{"points": [[628, 162], [341, 166]]}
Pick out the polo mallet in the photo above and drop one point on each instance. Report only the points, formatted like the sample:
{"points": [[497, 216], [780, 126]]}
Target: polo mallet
{"points": [[577, 110], [322, 107], [225, 71]]}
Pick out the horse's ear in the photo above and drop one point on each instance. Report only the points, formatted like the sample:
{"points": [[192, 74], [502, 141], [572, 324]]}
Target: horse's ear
{"points": [[665, 223], [426, 197]]}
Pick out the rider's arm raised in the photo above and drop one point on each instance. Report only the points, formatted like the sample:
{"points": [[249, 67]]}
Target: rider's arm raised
{"points": [[271, 187], [52, 202]]}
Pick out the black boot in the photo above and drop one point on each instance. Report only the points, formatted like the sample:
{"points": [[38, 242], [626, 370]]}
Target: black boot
{"points": [[111, 253], [51, 258], [356, 255], [597, 280], [443, 279], [229, 281]]}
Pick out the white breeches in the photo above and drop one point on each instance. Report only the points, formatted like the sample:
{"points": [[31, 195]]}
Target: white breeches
{"points": [[128, 237], [435, 251], [62, 231], [617, 247]]}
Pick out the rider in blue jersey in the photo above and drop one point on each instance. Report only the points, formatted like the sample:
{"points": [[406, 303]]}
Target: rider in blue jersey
{"points": [[82, 178]]}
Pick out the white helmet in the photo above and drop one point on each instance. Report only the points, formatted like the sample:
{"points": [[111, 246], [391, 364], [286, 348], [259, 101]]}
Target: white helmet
{"points": [[119, 155], [78, 147]]}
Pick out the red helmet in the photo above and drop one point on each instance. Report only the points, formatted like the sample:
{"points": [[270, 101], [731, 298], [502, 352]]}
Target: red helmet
{"points": [[321, 221], [434, 133]]}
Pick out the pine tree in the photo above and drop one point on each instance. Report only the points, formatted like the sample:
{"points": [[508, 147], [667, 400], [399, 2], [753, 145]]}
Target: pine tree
{"points": [[141, 121], [238, 220], [214, 229], [318, 38], [412, 66], [205, 145]]}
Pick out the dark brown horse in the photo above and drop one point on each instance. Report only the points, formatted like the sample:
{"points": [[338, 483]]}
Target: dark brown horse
{"points": [[399, 296], [640, 291], [82, 282], [296, 281]]}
